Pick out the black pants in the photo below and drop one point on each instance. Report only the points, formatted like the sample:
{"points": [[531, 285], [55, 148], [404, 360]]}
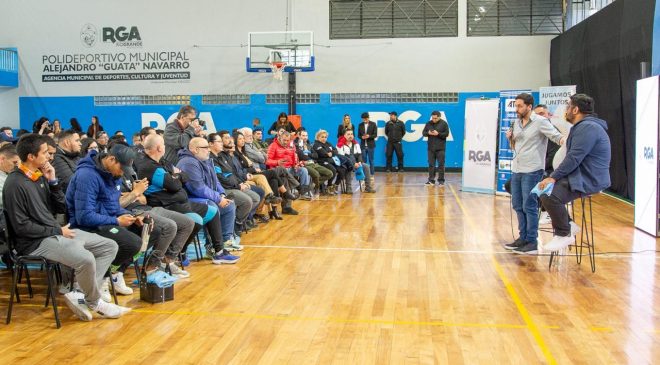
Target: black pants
{"points": [[391, 147], [439, 156], [555, 205], [127, 238]]}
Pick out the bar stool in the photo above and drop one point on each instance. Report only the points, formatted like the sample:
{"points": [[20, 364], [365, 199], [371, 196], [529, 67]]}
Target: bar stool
{"points": [[586, 234]]}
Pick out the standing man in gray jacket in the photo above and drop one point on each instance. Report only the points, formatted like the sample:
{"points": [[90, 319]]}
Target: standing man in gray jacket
{"points": [[179, 132], [528, 137]]}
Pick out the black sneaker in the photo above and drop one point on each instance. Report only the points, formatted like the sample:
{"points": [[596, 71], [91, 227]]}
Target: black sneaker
{"points": [[388, 170], [441, 182], [515, 244], [289, 211], [528, 249], [429, 182]]}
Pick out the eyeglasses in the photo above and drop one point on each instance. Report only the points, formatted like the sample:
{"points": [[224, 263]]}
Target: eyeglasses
{"points": [[202, 146]]}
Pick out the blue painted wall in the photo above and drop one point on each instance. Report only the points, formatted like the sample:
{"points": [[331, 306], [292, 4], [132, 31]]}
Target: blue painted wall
{"points": [[323, 115]]}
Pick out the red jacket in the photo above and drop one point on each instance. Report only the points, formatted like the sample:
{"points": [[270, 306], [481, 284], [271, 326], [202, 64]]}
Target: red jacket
{"points": [[277, 152]]}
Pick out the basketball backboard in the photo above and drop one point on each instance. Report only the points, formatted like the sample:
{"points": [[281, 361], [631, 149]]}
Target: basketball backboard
{"points": [[295, 49]]}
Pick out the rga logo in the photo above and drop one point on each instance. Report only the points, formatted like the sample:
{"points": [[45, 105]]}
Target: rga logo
{"points": [[479, 156], [408, 116], [649, 153], [88, 35], [122, 36]]}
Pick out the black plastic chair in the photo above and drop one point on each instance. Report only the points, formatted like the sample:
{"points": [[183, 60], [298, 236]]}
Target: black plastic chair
{"points": [[20, 264]]}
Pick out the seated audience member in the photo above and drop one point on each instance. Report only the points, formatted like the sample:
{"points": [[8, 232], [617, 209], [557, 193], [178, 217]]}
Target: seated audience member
{"points": [[166, 190], [282, 122], [92, 200], [350, 149], [228, 153], [33, 196], [274, 181], [86, 145], [142, 135], [67, 156], [7, 135], [203, 187], [52, 148], [57, 127], [102, 140], [584, 171], [234, 187], [41, 126], [175, 228], [281, 153], [136, 139], [8, 162], [258, 141], [327, 157], [117, 138], [75, 126], [251, 151], [307, 156]]}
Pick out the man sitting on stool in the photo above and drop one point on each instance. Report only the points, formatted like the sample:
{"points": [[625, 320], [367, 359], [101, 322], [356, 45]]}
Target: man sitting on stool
{"points": [[584, 171]]}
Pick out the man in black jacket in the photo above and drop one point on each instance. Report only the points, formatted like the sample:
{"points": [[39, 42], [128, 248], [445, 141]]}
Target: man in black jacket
{"points": [[368, 132], [66, 157], [179, 132], [436, 130], [394, 130], [32, 194]]}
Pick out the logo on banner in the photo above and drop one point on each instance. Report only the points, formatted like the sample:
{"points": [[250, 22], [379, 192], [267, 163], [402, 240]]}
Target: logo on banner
{"points": [[649, 154], [122, 36], [479, 157], [88, 35], [510, 106]]}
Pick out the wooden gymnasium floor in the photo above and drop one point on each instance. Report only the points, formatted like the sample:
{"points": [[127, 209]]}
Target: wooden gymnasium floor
{"points": [[412, 274]]}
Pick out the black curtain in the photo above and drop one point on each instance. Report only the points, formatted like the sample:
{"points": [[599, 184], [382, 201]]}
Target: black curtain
{"points": [[602, 56]]}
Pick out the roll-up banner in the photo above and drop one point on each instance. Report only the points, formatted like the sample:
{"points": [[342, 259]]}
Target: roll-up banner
{"points": [[481, 120]]}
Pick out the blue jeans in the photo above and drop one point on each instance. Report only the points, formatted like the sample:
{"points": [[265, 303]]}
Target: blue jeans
{"points": [[301, 174], [368, 155], [526, 205], [227, 219]]}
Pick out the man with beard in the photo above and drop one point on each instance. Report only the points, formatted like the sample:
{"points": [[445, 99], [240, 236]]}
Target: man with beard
{"points": [[528, 137], [584, 171], [66, 157]]}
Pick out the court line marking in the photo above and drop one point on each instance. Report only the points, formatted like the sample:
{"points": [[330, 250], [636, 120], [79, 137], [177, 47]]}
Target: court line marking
{"points": [[408, 250], [320, 319], [531, 325]]}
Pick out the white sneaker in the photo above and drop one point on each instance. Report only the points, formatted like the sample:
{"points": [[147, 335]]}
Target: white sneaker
{"points": [[232, 245], [109, 310], [544, 219], [76, 302], [575, 229], [105, 291], [177, 271], [120, 285], [558, 242]]}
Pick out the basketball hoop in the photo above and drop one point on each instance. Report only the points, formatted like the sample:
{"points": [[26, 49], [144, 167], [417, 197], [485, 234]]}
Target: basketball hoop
{"points": [[278, 69]]}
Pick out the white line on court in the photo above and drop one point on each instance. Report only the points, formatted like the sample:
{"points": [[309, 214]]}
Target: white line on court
{"points": [[477, 252]]}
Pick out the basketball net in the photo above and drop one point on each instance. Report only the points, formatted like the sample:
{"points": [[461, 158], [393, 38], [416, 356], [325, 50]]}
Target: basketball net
{"points": [[278, 69]]}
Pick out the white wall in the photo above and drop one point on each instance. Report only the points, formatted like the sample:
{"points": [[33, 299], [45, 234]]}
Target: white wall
{"points": [[214, 33]]}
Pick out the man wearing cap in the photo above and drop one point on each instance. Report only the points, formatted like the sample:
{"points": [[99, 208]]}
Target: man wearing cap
{"points": [[368, 132], [92, 201], [436, 130], [394, 130]]}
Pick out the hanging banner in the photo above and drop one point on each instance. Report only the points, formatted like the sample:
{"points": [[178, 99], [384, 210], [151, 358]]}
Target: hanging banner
{"points": [[504, 152], [556, 98], [480, 145]]}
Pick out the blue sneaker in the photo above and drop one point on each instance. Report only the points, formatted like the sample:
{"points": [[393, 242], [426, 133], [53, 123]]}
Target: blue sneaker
{"points": [[224, 257], [185, 262]]}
